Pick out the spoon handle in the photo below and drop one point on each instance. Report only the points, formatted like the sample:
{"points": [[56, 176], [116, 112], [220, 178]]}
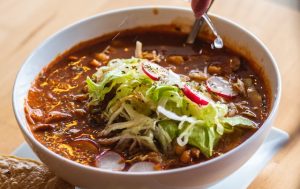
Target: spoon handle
{"points": [[196, 27], [195, 30]]}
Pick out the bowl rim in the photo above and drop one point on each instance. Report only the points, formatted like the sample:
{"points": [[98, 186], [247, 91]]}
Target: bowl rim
{"points": [[26, 131]]}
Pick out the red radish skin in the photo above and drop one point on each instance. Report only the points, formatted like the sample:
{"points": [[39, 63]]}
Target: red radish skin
{"points": [[221, 87], [110, 160], [194, 96], [157, 72], [149, 74]]}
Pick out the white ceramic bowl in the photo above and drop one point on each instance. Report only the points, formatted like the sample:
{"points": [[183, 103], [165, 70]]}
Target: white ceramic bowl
{"points": [[200, 175]]}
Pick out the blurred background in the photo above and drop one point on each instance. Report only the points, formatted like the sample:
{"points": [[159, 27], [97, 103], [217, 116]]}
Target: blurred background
{"points": [[25, 24]]}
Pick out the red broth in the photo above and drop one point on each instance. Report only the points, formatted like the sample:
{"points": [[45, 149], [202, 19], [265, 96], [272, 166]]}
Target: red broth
{"points": [[56, 105]]}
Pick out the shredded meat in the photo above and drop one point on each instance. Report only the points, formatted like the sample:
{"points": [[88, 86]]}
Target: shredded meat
{"points": [[55, 116], [43, 127], [240, 87], [177, 60], [74, 58], [154, 157], [179, 149], [102, 57], [232, 110], [214, 69], [34, 114], [198, 75], [195, 153], [79, 112], [95, 63], [153, 56], [186, 156]]}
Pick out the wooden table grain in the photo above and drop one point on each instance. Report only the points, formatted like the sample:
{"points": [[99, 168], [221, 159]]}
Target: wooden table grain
{"points": [[25, 24]]}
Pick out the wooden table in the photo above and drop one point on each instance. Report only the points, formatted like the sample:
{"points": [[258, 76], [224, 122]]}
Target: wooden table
{"points": [[25, 24]]}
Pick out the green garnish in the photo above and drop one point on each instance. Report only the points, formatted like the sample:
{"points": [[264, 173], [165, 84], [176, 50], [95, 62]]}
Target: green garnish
{"points": [[156, 112]]}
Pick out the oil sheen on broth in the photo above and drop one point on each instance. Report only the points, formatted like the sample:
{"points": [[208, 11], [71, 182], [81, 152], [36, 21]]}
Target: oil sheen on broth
{"points": [[56, 106]]}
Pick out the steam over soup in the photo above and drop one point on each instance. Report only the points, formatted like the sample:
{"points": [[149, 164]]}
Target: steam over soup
{"points": [[144, 100]]}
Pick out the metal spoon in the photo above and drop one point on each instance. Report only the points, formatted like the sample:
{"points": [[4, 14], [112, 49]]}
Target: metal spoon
{"points": [[218, 42], [200, 18]]}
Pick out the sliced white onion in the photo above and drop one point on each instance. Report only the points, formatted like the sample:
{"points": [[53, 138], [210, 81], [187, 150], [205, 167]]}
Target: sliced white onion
{"points": [[172, 115], [138, 50], [174, 79], [153, 71], [142, 167], [157, 72], [110, 160], [221, 87]]}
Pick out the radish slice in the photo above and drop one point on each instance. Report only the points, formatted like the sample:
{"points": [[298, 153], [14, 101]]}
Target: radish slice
{"points": [[195, 96], [85, 144], [221, 87], [110, 160], [153, 70], [157, 72], [142, 167]]}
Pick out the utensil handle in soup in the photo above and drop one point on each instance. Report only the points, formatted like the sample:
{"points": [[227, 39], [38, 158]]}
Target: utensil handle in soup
{"points": [[199, 20]]}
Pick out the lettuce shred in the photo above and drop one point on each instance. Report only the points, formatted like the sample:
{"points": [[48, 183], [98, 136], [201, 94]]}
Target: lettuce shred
{"points": [[152, 114]]}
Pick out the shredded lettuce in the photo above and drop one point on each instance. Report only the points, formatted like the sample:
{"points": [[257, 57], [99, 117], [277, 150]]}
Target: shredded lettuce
{"points": [[170, 126], [152, 113], [239, 121], [204, 138], [124, 77]]}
